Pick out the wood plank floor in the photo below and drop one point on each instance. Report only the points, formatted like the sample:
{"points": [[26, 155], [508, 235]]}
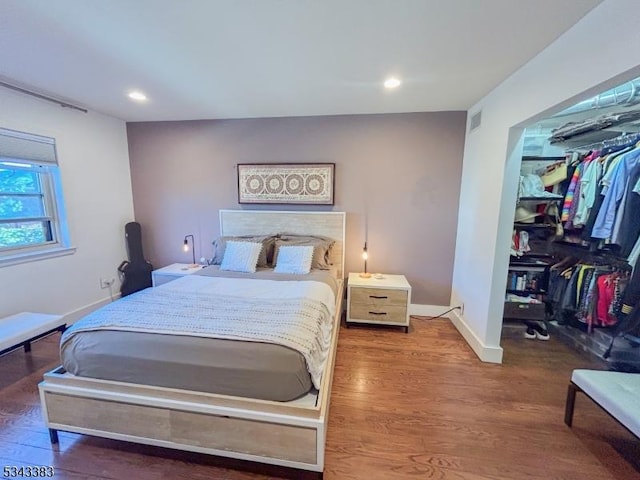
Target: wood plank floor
{"points": [[416, 406]]}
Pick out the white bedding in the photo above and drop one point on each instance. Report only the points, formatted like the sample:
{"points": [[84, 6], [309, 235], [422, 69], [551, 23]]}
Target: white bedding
{"points": [[254, 288], [296, 314]]}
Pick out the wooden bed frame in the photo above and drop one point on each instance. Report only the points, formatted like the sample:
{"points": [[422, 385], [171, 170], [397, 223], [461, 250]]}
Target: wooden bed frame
{"points": [[278, 433]]}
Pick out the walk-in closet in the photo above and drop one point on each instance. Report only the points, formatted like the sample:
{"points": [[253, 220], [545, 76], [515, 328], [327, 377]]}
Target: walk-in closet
{"points": [[575, 244]]}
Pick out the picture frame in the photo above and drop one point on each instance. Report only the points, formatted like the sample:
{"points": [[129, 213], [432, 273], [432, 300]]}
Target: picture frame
{"points": [[286, 183]]}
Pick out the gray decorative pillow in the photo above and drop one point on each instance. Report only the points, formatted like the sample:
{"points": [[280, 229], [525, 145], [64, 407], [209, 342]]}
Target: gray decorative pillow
{"points": [[321, 248], [266, 254]]}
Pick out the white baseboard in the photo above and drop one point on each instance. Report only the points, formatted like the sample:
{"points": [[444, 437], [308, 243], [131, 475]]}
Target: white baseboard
{"points": [[484, 352], [427, 310], [75, 315]]}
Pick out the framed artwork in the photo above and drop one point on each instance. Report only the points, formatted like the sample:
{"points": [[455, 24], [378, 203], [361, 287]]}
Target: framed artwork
{"points": [[286, 183]]}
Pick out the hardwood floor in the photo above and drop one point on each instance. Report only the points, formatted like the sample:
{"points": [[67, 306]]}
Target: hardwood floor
{"points": [[403, 407]]}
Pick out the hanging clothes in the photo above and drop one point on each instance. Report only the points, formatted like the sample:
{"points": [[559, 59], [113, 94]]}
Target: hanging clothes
{"points": [[569, 197], [605, 295], [635, 253], [606, 160], [588, 190], [585, 284], [588, 295], [629, 230], [631, 295], [600, 225], [614, 183]]}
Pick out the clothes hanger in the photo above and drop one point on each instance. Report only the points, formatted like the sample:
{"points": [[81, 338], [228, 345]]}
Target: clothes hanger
{"points": [[564, 263]]}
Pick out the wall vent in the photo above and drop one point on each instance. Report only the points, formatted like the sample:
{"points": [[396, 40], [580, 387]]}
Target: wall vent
{"points": [[476, 120]]}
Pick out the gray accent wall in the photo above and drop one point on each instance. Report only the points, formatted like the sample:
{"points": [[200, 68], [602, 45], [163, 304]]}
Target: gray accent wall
{"points": [[397, 177]]}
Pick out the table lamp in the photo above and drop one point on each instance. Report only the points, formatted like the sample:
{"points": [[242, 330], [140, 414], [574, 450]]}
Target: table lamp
{"points": [[193, 249], [365, 257]]}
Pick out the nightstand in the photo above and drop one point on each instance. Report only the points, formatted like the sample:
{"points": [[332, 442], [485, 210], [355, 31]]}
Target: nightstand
{"points": [[380, 301], [171, 272]]}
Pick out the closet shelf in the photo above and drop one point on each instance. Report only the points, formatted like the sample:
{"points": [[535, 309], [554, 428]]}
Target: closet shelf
{"points": [[524, 311], [526, 292], [587, 137], [531, 260], [515, 265], [532, 158], [527, 263], [597, 129], [532, 226], [541, 199]]}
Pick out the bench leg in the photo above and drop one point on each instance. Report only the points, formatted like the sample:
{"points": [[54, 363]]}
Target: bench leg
{"points": [[53, 435], [571, 401], [27, 346]]}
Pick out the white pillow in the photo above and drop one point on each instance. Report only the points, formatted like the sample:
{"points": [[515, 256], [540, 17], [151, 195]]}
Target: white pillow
{"points": [[241, 256], [294, 259]]}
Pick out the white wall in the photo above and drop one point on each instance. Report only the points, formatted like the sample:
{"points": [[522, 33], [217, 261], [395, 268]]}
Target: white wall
{"points": [[94, 167], [582, 62]]}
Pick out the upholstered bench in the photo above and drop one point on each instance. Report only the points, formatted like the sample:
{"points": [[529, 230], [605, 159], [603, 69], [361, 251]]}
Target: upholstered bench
{"points": [[21, 329], [616, 393]]}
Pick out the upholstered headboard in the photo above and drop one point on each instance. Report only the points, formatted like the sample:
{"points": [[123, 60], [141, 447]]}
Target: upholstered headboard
{"points": [[262, 222]]}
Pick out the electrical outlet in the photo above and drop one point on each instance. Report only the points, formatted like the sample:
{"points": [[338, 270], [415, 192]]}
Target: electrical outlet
{"points": [[107, 282], [461, 309]]}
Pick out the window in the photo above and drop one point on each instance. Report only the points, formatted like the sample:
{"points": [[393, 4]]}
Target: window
{"points": [[32, 219]]}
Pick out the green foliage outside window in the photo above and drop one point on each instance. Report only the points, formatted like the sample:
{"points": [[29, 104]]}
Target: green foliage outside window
{"points": [[21, 198]]}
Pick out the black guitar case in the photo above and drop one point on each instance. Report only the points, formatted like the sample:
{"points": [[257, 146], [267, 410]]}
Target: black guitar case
{"points": [[135, 273]]}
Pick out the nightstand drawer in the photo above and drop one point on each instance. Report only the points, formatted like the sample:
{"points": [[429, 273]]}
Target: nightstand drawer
{"points": [[378, 297], [386, 314]]}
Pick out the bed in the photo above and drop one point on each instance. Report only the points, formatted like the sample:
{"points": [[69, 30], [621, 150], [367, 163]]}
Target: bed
{"points": [[277, 416]]}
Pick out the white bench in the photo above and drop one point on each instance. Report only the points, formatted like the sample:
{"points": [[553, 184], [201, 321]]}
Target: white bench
{"points": [[21, 329], [617, 393]]}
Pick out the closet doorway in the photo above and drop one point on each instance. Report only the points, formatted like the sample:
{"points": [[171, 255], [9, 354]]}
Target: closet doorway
{"points": [[576, 232]]}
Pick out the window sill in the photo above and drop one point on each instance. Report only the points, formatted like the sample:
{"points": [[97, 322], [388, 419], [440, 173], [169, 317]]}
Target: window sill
{"points": [[16, 259]]}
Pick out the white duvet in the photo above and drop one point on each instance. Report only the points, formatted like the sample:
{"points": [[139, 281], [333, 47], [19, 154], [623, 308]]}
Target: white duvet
{"points": [[295, 314], [255, 288]]}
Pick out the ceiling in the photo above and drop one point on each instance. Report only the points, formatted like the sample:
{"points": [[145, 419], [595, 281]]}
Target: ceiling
{"points": [[207, 59]]}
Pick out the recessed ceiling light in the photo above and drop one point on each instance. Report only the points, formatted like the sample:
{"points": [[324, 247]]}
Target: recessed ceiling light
{"points": [[392, 82], [137, 95]]}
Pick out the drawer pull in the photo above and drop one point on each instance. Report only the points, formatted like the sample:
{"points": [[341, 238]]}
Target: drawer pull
{"points": [[378, 296], [377, 313]]}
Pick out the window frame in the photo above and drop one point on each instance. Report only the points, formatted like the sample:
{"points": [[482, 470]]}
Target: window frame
{"points": [[48, 175]]}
